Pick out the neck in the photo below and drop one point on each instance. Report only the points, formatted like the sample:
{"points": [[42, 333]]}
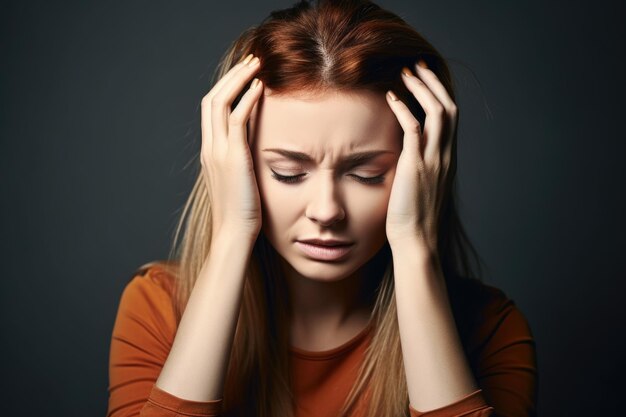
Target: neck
{"points": [[319, 304], [327, 306]]}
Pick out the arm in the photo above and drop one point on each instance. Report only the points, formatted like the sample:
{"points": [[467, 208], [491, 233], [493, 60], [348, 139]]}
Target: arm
{"points": [[145, 331], [436, 368], [501, 349], [145, 327], [197, 363], [437, 371]]}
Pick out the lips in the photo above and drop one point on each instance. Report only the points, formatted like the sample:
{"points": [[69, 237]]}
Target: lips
{"points": [[330, 251], [326, 242]]}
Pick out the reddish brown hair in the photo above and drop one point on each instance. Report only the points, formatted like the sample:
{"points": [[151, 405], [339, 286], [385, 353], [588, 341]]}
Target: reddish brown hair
{"points": [[354, 45], [311, 47]]}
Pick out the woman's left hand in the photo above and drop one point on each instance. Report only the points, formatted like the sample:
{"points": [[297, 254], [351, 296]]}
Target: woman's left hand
{"points": [[421, 173]]}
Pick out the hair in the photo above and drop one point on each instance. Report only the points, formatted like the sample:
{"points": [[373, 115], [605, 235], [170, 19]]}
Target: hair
{"points": [[342, 45]]}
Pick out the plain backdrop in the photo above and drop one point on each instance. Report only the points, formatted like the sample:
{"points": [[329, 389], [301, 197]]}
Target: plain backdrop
{"points": [[99, 128]]}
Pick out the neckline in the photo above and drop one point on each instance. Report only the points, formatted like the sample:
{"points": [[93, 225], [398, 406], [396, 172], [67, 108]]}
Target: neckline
{"points": [[334, 352]]}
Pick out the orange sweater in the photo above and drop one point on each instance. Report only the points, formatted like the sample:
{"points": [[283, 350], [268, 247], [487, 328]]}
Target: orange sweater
{"points": [[495, 334]]}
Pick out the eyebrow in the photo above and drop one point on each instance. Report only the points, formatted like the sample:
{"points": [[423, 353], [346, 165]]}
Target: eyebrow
{"points": [[358, 157]]}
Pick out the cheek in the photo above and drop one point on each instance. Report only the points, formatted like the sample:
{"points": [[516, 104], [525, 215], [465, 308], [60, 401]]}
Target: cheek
{"points": [[368, 209]]}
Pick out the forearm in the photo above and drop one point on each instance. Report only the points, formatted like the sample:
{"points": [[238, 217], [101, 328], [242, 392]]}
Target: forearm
{"points": [[198, 360], [436, 368]]}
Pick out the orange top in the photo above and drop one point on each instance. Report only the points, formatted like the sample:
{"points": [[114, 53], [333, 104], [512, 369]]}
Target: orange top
{"points": [[495, 334]]}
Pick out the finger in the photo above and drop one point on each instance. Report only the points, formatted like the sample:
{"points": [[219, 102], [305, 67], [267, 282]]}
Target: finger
{"points": [[206, 100], [223, 99], [435, 85], [410, 125], [449, 132], [435, 114], [229, 74], [239, 117]]}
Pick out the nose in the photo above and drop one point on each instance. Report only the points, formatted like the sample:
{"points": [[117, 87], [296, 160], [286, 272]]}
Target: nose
{"points": [[325, 208]]}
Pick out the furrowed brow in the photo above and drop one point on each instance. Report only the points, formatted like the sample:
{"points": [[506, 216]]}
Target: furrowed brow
{"points": [[355, 158]]}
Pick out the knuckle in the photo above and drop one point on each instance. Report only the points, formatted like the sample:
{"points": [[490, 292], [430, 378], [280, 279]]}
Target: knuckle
{"points": [[204, 158], [415, 127], [217, 101], [206, 100], [236, 119], [453, 112], [438, 111]]}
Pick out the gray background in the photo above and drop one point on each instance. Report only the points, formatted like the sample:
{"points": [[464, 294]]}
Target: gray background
{"points": [[100, 130]]}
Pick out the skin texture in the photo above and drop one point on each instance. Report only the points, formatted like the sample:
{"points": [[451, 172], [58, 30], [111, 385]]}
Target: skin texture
{"points": [[436, 367], [326, 202]]}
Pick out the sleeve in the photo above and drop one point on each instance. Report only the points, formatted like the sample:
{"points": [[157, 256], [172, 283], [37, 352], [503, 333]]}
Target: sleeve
{"points": [[507, 365], [142, 336], [505, 368], [472, 405]]}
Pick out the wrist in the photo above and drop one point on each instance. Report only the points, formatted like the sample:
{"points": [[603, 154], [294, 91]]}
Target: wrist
{"points": [[236, 237], [239, 233], [415, 246]]}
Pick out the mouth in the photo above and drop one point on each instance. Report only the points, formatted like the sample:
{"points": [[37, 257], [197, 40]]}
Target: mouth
{"points": [[330, 252]]}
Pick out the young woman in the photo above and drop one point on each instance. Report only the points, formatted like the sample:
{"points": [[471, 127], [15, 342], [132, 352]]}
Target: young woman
{"points": [[323, 269]]}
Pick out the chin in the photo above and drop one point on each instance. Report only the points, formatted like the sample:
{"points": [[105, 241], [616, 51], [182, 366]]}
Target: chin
{"points": [[322, 271]]}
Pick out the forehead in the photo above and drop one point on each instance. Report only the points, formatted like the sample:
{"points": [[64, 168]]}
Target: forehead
{"points": [[329, 123]]}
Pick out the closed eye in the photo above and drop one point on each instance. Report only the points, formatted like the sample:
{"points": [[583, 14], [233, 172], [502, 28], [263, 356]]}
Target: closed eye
{"points": [[291, 179]]}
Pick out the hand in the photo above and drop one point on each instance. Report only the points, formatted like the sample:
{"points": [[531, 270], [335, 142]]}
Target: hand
{"points": [[226, 160], [421, 174]]}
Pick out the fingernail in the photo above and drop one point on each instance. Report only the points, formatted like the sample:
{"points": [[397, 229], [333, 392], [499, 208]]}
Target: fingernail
{"points": [[248, 58], [422, 64], [254, 83], [254, 61], [392, 95], [407, 72]]}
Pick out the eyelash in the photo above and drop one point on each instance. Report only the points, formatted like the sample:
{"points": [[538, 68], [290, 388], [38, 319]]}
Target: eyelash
{"points": [[294, 178]]}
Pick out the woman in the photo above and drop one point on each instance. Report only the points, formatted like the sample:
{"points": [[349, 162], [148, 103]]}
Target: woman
{"points": [[323, 269]]}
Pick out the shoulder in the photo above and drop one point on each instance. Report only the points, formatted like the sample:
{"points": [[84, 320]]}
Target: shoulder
{"points": [[148, 298], [487, 318], [154, 281], [142, 336], [159, 273], [500, 346]]}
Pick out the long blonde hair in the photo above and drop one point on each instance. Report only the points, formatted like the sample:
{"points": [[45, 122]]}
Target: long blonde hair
{"points": [[330, 44]]}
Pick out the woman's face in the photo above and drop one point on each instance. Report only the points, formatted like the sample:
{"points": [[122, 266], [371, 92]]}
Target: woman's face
{"points": [[326, 199]]}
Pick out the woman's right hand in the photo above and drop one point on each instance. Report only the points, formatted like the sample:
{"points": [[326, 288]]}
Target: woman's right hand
{"points": [[225, 156]]}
